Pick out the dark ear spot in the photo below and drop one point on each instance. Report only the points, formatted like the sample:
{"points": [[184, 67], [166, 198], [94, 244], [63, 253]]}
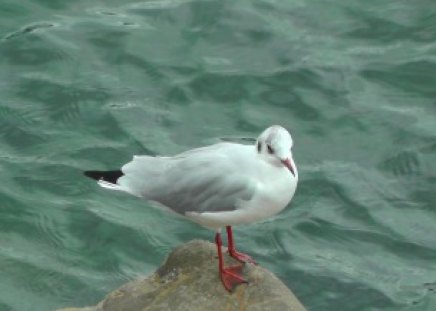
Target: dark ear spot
{"points": [[259, 147], [270, 149]]}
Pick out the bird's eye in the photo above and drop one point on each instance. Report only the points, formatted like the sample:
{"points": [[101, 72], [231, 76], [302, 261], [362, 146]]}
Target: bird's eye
{"points": [[270, 149]]}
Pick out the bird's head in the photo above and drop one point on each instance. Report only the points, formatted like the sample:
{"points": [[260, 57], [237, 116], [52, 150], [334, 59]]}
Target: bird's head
{"points": [[275, 145]]}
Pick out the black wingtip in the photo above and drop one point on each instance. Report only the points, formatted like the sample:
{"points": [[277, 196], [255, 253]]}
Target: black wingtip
{"points": [[109, 176]]}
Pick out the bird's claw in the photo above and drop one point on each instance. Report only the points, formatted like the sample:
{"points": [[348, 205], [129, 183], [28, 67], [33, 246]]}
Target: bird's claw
{"points": [[232, 276], [241, 257]]}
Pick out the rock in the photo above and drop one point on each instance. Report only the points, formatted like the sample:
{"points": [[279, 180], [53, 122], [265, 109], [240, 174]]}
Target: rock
{"points": [[189, 280]]}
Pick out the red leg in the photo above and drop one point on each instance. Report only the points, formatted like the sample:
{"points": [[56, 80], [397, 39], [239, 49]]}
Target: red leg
{"points": [[230, 276], [232, 250]]}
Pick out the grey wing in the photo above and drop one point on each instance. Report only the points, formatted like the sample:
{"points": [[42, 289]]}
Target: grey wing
{"points": [[204, 191], [199, 180]]}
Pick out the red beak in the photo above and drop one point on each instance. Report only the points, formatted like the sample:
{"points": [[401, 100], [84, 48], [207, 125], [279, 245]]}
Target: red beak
{"points": [[288, 164]]}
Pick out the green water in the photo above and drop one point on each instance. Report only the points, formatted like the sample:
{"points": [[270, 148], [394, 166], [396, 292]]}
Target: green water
{"points": [[86, 84]]}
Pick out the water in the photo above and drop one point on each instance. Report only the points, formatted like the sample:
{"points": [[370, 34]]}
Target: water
{"points": [[86, 84]]}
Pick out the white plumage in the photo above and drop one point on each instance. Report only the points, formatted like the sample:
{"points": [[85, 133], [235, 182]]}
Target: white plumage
{"points": [[218, 185]]}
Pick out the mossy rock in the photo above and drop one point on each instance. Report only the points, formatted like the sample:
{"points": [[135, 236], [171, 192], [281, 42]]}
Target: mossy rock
{"points": [[188, 280]]}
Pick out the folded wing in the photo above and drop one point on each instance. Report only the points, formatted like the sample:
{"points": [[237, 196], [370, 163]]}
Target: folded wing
{"points": [[194, 182]]}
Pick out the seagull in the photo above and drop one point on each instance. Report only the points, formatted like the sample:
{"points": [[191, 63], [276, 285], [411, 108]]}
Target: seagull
{"points": [[217, 186]]}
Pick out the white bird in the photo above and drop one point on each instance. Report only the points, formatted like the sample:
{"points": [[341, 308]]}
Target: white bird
{"points": [[216, 186]]}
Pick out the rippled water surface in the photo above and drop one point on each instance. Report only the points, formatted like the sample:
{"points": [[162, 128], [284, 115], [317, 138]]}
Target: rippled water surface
{"points": [[86, 84]]}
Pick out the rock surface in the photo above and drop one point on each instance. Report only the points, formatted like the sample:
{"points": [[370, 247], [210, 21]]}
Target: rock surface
{"points": [[188, 280]]}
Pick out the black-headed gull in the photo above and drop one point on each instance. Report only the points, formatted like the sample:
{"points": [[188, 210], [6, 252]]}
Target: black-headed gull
{"points": [[217, 186]]}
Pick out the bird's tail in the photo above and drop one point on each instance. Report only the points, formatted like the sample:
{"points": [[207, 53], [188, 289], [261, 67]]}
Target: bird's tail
{"points": [[106, 176]]}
